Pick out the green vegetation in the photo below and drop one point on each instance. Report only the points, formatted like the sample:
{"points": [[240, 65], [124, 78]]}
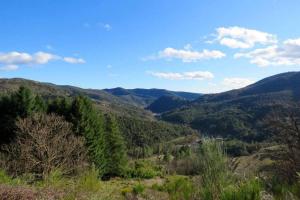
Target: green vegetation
{"points": [[115, 151], [166, 103], [49, 140], [238, 114], [143, 136], [59, 147], [144, 169]]}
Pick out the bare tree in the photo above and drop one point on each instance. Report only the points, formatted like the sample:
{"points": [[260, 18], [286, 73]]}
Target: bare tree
{"points": [[285, 124], [44, 143]]}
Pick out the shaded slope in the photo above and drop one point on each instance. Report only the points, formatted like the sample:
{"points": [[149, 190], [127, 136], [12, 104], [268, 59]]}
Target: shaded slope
{"points": [[166, 103], [144, 97]]}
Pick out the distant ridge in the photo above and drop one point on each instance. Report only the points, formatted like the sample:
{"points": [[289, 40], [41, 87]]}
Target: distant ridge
{"points": [[144, 97], [239, 113]]}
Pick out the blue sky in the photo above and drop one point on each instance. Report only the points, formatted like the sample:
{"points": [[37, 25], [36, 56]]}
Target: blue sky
{"points": [[193, 45]]}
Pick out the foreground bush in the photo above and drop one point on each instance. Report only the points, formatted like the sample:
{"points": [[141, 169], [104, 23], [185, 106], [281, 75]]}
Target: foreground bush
{"points": [[214, 169], [144, 169], [45, 143]]}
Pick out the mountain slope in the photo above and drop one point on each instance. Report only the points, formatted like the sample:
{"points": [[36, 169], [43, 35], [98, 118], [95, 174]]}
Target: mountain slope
{"points": [[138, 126], [239, 113], [144, 97], [106, 101], [166, 103]]}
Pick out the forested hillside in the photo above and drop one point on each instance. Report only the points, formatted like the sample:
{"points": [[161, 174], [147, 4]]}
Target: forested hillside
{"points": [[106, 101], [139, 128], [239, 113], [167, 103], [144, 97]]}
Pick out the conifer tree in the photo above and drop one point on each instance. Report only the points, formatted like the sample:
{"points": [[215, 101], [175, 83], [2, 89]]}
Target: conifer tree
{"points": [[20, 104], [89, 123], [24, 102], [40, 104], [115, 149]]}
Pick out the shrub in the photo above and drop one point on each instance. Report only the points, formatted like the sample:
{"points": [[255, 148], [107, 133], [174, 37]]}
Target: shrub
{"points": [[283, 190], [4, 178], [213, 169], [143, 169], [126, 191], [236, 148], [184, 166], [8, 180], [47, 140], [178, 188], [248, 190], [54, 179], [89, 181], [138, 189]]}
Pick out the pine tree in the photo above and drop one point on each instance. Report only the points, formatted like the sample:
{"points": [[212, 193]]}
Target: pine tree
{"points": [[39, 104], [24, 102], [115, 149], [89, 123], [20, 104]]}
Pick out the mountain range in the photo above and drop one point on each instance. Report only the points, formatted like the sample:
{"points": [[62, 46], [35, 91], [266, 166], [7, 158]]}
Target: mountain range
{"points": [[144, 97], [234, 114]]}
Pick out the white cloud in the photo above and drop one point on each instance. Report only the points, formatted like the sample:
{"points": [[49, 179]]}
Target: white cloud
{"points": [[292, 42], [43, 58], [235, 83], [288, 53], [238, 37], [195, 75], [15, 58], [186, 55], [74, 60], [12, 60], [9, 68]]}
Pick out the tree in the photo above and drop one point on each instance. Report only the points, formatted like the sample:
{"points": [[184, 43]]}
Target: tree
{"points": [[24, 102], [60, 106], [45, 143], [17, 105], [89, 123], [39, 104], [114, 149]]}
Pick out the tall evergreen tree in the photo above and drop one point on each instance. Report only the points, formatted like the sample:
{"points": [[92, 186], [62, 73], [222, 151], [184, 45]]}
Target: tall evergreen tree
{"points": [[115, 149], [40, 104], [89, 123], [20, 104], [24, 102]]}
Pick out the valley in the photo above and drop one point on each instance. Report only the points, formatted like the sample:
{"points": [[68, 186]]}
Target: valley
{"points": [[162, 133]]}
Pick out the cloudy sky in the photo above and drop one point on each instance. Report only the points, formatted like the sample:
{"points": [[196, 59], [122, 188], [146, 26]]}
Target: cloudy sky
{"points": [[201, 46]]}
